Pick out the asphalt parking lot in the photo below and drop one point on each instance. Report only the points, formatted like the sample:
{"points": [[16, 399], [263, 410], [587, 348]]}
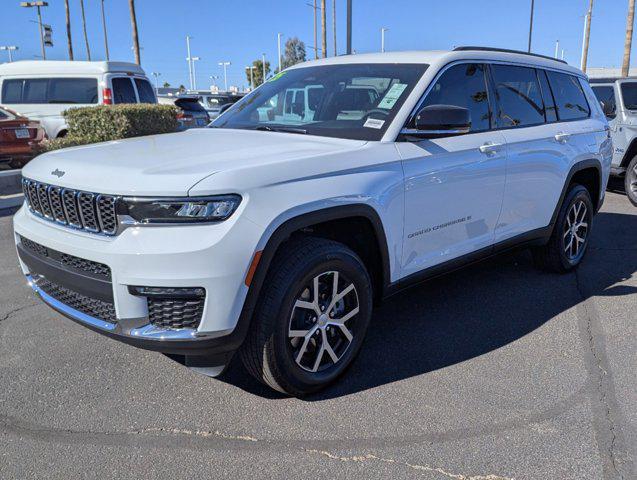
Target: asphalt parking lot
{"points": [[495, 372]]}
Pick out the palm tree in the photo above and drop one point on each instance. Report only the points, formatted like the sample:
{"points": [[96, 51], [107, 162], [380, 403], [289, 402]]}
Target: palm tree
{"points": [[88, 49], [587, 36], [629, 37], [68, 28], [133, 20], [323, 30]]}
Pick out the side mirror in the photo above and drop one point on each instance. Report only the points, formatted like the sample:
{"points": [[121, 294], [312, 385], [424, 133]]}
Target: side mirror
{"points": [[441, 120], [608, 109]]}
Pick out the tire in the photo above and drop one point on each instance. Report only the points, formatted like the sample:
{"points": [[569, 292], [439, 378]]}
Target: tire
{"points": [[630, 181], [287, 321], [569, 241]]}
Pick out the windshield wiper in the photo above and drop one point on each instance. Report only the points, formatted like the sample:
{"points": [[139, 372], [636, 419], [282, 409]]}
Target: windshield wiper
{"points": [[267, 128]]}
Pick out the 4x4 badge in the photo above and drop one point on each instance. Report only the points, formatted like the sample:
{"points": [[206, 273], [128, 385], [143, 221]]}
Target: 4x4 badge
{"points": [[58, 173]]}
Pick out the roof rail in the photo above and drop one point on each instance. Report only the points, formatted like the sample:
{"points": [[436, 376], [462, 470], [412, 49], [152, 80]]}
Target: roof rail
{"points": [[505, 50]]}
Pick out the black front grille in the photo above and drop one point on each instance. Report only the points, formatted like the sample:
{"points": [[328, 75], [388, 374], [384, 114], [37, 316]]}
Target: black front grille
{"points": [[87, 305], [175, 313], [76, 263], [88, 211]]}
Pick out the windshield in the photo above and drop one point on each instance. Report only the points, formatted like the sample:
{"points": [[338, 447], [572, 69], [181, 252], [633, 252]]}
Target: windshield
{"points": [[356, 101], [629, 94]]}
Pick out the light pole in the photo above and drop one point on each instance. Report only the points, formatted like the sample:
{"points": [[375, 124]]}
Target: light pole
{"points": [[263, 65], [348, 49], [38, 5], [278, 38], [189, 60], [382, 39], [225, 74], [156, 75], [104, 28], [194, 75], [531, 24], [251, 68], [9, 48]]}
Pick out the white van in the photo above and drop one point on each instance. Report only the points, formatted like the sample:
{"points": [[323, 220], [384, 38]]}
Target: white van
{"points": [[42, 90]]}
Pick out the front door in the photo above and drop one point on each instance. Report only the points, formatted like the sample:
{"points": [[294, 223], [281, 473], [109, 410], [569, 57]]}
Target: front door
{"points": [[453, 186]]}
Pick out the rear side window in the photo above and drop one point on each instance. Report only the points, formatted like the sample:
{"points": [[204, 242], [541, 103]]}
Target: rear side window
{"points": [[606, 94], [519, 97], [629, 95], [50, 90], [123, 91], [569, 96], [145, 91], [463, 85], [549, 102]]}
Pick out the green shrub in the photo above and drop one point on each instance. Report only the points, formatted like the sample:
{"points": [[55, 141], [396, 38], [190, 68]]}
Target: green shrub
{"points": [[114, 122]]}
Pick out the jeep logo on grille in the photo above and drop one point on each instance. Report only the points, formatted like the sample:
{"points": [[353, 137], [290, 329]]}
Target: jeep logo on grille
{"points": [[58, 173]]}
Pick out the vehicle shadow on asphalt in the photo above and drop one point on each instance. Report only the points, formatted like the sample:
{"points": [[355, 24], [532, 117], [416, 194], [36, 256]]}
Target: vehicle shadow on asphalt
{"points": [[476, 310]]}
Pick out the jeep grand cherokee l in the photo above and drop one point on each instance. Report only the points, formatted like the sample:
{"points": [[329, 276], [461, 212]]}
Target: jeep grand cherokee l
{"points": [[336, 183]]}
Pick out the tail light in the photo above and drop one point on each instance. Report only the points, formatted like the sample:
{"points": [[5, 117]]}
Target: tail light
{"points": [[185, 117], [107, 96]]}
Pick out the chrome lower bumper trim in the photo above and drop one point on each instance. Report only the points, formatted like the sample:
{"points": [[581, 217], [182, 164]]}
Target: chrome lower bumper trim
{"points": [[153, 333]]}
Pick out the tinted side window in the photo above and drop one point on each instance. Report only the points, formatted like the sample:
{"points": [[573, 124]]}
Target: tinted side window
{"points": [[569, 96], [463, 85], [145, 91], [12, 91], [606, 94], [123, 91], [72, 90], [549, 102], [519, 97], [34, 91], [629, 95]]}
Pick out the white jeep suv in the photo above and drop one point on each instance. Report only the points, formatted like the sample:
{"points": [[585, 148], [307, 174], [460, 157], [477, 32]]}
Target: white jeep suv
{"points": [[336, 183]]}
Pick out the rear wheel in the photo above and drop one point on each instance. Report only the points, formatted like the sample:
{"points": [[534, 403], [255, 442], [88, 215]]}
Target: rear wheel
{"points": [[311, 318], [630, 181], [569, 240]]}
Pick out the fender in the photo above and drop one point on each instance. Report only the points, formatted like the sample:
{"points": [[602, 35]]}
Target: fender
{"points": [[579, 166]]}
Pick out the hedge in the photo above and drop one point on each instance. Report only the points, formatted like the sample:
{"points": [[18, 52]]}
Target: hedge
{"points": [[114, 122]]}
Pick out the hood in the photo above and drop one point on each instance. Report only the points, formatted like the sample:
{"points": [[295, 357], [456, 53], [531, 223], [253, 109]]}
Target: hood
{"points": [[170, 164]]}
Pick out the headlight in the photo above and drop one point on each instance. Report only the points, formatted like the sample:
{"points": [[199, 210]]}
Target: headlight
{"points": [[181, 210]]}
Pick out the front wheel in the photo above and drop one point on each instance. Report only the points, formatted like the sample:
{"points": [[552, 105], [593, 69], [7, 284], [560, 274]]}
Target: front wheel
{"points": [[311, 318], [630, 181]]}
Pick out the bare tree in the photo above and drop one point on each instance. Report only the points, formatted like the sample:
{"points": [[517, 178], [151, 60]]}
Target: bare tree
{"points": [[133, 21], [629, 37], [88, 49], [68, 28], [587, 36], [323, 30]]}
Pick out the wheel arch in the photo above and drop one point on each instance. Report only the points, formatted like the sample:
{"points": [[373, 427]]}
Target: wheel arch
{"points": [[577, 171], [631, 151]]}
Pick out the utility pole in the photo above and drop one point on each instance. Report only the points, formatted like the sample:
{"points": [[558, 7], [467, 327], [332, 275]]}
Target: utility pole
{"points": [[105, 36], [225, 74], [194, 75], [133, 20], [38, 5], [531, 24], [68, 28], [189, 60], [587, 36], [629, 37], [334, 26], [9, 49], [349, 28], [88, 49], [557, 48], [156, 75], [263, 65], [382, 39], [315, 34], [278, 39], [323, 30]]}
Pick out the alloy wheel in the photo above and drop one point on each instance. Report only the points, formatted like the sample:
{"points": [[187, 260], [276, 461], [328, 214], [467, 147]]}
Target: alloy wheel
{"points": [[323, 321], [575, 230]]}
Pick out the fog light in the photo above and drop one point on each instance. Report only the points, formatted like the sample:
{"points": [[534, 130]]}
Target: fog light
{"points": [[168, 292]]}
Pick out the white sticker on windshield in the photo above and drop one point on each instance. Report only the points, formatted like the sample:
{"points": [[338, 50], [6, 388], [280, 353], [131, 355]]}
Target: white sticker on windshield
{"points": [[374, 123], [392, 96]]}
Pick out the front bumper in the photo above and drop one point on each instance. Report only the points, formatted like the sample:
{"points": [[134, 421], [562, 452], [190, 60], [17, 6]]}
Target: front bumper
{"points": [[179, 256]]}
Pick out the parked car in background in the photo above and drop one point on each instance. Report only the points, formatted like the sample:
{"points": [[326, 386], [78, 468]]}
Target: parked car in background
{"points": [[190, 113], [217, 103], [42, 90], [19, 138], [274, 236], [619, 101]]}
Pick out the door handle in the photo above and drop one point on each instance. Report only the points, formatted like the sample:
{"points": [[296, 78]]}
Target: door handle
{"points": [[562, 137], [490, 147]]}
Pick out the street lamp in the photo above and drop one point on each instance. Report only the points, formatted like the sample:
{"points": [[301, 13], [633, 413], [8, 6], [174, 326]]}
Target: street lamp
{"points": [[156, 74], [38, 5], [225, 74], [9, 48], [263, 65], [382, 39], [194, 75], [278, 37]]}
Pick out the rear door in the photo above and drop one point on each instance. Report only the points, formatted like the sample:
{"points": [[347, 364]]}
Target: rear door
{"points": [[453, 185], [123, 90], [145, 92]]}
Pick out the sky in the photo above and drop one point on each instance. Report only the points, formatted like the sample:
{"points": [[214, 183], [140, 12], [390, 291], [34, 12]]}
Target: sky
{"points": [[241, 31]]}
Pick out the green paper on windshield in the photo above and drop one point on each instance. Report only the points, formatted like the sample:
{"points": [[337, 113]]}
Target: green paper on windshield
{"points": [[392, 96], [277, 76]]}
